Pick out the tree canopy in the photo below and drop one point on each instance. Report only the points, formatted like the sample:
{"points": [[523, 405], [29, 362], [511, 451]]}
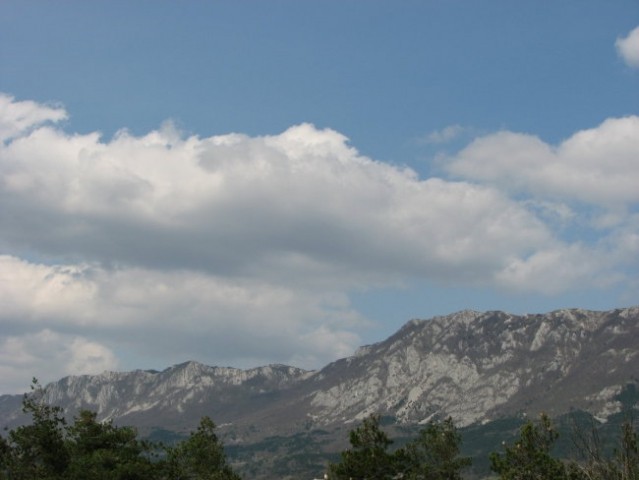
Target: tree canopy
{"points": [[433, 455], [200, 457], [529, 457], [50, 449]]}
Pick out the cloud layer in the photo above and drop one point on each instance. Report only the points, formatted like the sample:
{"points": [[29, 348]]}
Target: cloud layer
{"points": [[243, 250]]}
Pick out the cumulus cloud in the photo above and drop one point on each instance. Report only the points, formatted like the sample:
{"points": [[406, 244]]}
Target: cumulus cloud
{"points": [[597, 166], [586, 183], [18, 117], [243, 250], [48, 355], [188, 313], [628, 48], [551, 270], [302, 206]]}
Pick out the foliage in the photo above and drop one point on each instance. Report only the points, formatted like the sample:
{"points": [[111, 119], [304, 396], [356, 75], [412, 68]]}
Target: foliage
{"points": [[434, 454], [200, 457], [103, 451], [49, 449], [37, 450], [529, 457], [368, 457]]}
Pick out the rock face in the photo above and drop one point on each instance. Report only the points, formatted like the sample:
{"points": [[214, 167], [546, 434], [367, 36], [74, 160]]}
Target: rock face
{"points": [[175, 398], [473, 366], [479, 366]]}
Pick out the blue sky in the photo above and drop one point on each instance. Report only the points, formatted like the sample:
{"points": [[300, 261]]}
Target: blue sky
{"points": [[243, 183]]}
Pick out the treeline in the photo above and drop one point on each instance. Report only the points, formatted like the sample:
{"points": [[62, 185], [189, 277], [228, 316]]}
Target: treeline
{"points": [[435, 455], [49, 448]]}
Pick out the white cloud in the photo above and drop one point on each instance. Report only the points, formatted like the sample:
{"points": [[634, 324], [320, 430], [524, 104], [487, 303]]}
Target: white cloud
{"points": [[598, 166], [87, 357], [39, 293], [242, 250], [48, 355], [19, 117], [302, 205], [555, 270], [628, 48], [587, 184], [182, 314]]}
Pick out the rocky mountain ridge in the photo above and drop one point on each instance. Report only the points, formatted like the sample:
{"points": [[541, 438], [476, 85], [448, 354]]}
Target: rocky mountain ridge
{"points": [[473, 366], [478, 366]]}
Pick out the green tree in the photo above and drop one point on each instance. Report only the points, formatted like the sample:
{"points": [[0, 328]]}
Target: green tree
{"points": [[200, 457], [37, 450], [49, 449], [434, 455], [102, 451], [368, 457], [529, 457]]}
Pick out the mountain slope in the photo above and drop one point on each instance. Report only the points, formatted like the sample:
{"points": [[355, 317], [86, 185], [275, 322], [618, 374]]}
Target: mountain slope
{"points": [[473, 366], [479, 366]]}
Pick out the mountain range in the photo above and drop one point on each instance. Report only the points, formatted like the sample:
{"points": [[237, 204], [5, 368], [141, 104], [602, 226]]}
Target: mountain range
{"points": [[476, 367]]}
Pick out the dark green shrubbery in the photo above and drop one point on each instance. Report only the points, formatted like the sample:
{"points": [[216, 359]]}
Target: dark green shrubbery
{"points": [[49, 449], [433, 455]]}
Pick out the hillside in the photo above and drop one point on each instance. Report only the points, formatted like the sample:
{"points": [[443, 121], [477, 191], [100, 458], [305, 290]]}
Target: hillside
{"points": [[476, 367], [470, 365]]}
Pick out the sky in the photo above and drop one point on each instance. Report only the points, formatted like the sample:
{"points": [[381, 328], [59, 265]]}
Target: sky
{"points": [[282, 181]]}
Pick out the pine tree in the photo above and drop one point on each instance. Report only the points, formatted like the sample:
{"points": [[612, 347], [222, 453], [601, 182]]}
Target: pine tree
{"points": [[368, 458], [529, 457], [200, 457], [434, 455]]}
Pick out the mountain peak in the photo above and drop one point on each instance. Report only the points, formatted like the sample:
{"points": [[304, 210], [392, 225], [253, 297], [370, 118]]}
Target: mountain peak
{"points": [[470, 365]]}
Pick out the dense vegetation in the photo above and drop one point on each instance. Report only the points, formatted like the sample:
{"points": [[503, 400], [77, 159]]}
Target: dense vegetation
{"points": [[51, 449], [435, 455]]}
